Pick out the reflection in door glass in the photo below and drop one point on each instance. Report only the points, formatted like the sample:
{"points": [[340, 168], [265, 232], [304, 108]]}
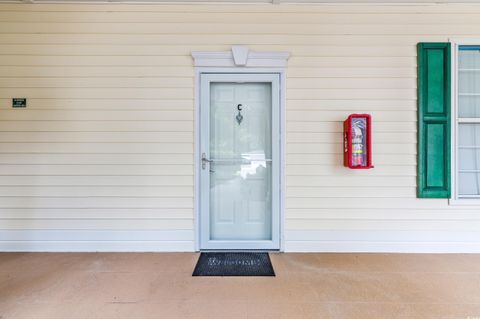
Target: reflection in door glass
{"points": [[241, 171]]}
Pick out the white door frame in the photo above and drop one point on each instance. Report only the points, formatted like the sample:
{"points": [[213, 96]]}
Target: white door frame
{"points": [[254, 73], [204, 186]]}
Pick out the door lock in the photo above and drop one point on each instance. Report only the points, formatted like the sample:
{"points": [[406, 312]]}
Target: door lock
{"points": [[205, 160]]}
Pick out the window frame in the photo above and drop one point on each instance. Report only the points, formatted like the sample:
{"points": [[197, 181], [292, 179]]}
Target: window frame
{"points": [[455, 199]]}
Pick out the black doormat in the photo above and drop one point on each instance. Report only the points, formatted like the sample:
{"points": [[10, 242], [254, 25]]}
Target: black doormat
{"points": [[234, 264]]}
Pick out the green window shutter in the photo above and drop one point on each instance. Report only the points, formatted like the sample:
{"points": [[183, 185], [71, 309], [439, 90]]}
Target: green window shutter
{"points": [[433, 120]]}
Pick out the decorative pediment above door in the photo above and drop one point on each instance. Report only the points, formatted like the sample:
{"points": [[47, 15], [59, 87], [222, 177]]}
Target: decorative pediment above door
{"points": [[241, 56]]}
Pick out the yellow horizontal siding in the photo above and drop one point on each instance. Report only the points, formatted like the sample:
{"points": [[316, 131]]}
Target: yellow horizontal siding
{"points": [[251, 9], [58, 202], [120, 224], [337, 148], [185, 50], [337, 126], [222, 39], [97, 213], [105, 146], [97, 137], [85, 169], [79, 115], [334, 159], [103, 82], [105, 104], [309, 137], [384, 203], [101, 148], [97, 191], [336, 170], [234, 28], [99, 93], [95, 71], [359, 181], [98, 180], [96, 126], [387, 225], [236, 15]]}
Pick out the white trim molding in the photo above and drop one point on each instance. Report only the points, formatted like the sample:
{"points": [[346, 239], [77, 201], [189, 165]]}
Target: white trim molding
{"points": [[455, 199], [207, 243], [240, 60], [241, 56]]}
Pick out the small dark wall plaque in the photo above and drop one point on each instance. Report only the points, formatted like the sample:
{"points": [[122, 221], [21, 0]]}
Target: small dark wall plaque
{"points": [[19, 102]]}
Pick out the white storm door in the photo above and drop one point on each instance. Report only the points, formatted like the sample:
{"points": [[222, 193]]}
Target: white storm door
{"points": [[239, 164]]}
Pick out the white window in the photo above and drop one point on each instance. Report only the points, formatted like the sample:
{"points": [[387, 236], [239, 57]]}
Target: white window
{"points": [[467, 122]]}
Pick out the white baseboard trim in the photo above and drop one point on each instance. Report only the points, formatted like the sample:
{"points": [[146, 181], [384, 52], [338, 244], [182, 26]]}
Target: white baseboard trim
{"points": [[96, 246], [296, 241], [290, 246], [383, 241], [382, 247]]}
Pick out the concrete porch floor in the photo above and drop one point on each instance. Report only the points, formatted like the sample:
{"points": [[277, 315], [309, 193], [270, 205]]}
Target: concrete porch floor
{"points": [[159, 285]]}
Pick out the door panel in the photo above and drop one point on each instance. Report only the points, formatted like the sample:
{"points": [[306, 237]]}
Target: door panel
{"points": [[239, 188]]}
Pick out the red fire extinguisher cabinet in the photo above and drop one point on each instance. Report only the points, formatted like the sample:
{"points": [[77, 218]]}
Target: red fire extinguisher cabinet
{"points": [[357, 130]]}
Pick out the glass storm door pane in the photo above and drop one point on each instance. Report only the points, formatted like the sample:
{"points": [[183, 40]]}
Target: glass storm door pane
{"points": [[241, 167]]}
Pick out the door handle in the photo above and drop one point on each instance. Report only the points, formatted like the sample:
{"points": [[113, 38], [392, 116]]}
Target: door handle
{"points": [[205, 160]]}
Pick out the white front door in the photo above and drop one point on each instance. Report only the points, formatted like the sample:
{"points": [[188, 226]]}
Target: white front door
{"points": [[240, 154]]}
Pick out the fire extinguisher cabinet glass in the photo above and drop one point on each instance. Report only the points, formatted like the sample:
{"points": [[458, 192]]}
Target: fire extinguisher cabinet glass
{"points": [[357, 141]]}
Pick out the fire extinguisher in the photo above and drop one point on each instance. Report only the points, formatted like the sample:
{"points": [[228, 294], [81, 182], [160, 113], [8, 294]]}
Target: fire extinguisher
{"points": [[358, 150], [357, 141]]}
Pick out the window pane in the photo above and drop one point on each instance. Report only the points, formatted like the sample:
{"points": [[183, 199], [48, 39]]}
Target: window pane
{"points": [[469, 57], [468, 135], [469, 106], [468, 184], [469, 159], [469, 82]]}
